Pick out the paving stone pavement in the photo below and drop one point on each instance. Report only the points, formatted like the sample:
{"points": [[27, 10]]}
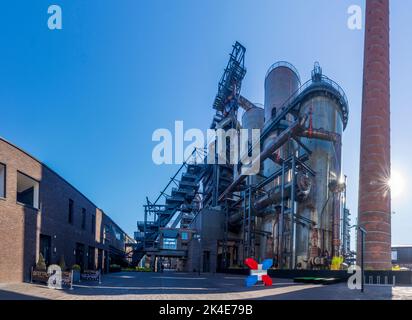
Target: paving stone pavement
{"points": [[190, 286]]}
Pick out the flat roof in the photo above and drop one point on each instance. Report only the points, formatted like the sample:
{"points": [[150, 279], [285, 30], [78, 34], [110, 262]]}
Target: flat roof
{"points": [[60, 177]]}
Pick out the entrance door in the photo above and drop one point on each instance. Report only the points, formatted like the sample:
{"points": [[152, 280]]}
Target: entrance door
{"points": [[80, 255], [206, 261], [100, 259], [91, 261], [45, 248]]}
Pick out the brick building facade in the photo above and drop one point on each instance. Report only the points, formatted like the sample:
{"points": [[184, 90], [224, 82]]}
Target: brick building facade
{"points": [[42, 212]]}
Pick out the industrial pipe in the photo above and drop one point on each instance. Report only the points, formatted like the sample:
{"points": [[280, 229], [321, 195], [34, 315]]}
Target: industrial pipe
{"points": [[321, 135], [273, 196], [293, 129]]}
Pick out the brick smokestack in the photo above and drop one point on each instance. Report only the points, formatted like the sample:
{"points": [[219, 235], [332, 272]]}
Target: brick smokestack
{"points": [[374, 211]]}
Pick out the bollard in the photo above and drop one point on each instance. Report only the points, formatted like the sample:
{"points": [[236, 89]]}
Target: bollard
{"points": [[71, 280]]}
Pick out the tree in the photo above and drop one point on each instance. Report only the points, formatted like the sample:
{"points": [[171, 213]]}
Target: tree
{"points": [[41, 264], [62, 263]]}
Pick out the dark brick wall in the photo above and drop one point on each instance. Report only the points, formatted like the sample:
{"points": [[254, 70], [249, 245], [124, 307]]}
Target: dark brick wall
{"points": [[21, 226]]}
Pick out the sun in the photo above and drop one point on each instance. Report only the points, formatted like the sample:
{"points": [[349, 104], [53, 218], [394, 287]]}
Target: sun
{"points": [[396, 184]]}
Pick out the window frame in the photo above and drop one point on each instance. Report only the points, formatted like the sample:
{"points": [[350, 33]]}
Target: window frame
{"points": [[38, 186], [70, 217], [4, 195], [166, 243], [83, 221]]}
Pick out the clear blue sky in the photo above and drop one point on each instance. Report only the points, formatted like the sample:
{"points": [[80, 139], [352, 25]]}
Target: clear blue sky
{"points": [[86, 99]]}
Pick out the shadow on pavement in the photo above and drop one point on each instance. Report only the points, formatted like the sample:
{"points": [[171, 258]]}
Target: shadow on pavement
{"points": [[173, 283], [335, 292], [9, 295], [142, 285]]}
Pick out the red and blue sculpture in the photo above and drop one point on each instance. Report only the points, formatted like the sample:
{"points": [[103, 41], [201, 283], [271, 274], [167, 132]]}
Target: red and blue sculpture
{"points": [[258, 272]]}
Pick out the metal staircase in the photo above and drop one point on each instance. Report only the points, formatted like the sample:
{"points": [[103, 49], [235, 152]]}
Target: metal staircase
{"points": [[180, 204]]}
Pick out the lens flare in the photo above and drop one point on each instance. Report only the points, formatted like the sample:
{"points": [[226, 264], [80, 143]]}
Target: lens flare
{"points": [[396, 184]]}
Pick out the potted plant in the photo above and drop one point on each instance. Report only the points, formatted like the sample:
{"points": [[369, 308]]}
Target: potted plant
{"points": [[76, 272], [41, 264], [62, 263], [39, 274], [115, 268]]}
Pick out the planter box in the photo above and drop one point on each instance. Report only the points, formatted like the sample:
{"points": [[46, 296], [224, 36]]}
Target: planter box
{"points": [[43, 277], [39, 276], [76, 275], [90, 275]]}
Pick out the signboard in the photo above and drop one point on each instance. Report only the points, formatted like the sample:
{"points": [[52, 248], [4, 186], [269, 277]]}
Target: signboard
{"points": [[394, 255]]}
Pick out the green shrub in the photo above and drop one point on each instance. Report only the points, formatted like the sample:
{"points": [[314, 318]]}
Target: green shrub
{"points": [[143, 269], [128, 269], [115, 268], [62, 263], [76, 267]]}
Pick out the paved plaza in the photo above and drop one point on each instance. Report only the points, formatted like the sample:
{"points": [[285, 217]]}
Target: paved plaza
{"points": [[191, 286]]}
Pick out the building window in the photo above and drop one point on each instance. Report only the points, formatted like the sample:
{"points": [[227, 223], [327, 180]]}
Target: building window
{"points": [[273, 113], [185, 236], [71, 208], [80, 254], [83, 218], [169, 243], [106, 236], [394, 255], [93, 224], [118, 235], [2, 180], [27, 191]]}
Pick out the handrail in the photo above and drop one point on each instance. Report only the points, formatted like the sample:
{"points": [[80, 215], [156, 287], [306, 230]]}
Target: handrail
{"points": [[306, 86], [290, 101]]}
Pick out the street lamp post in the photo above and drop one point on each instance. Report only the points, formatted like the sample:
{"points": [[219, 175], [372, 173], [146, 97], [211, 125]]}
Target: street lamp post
{"points": [[362, 234], [198, 238]]}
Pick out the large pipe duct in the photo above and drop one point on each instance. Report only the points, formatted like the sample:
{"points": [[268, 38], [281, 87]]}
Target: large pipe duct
{"points": [[266, 153], [374, 211]]}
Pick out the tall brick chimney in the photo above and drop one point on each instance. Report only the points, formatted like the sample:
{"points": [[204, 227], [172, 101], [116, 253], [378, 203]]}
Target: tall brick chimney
{"points": [[374, 211]]}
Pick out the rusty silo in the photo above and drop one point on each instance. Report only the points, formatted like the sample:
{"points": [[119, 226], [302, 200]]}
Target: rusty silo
{"points": [[254, 118], [323, 204], [282, 80]]}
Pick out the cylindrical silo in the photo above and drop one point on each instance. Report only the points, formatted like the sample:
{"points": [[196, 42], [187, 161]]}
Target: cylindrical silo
{"points": [[282, 80], [253, 118], [322, 206]]}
